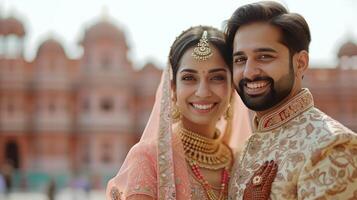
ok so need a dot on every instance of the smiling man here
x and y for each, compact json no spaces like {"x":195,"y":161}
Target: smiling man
{"x":316,"y":155}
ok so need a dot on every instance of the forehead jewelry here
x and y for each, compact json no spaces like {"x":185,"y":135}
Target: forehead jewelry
{"x":202,"y":51}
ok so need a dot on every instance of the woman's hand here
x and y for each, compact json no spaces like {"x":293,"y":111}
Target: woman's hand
{"x":259,"y":186}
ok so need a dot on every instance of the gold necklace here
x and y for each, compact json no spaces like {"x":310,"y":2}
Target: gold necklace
{"x":207,"y":153}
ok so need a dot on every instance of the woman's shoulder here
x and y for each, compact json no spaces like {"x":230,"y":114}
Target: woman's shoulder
{"x":137,"y":174}
{"x":147,"y":150}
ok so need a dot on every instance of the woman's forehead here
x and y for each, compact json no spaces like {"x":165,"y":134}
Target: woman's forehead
{"x":188,"y":61}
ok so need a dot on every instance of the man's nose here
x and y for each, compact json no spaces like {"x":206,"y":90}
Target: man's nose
{"x":251,"y":70}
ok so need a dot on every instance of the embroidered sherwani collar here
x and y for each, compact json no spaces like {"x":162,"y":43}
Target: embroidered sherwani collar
{"x":289,"y":110}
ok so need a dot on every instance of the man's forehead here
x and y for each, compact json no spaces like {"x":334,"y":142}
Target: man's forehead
{"x":257,"y":36}
{"x":258,"y":32}
{"x":258,"y":27}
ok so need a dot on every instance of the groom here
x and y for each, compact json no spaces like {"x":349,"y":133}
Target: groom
{"x":316,"y":155}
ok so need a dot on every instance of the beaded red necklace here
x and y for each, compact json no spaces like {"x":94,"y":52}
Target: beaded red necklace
{"x":207,"y":187}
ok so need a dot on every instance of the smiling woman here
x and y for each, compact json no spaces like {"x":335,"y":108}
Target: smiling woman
{"x":189,"y":155}
{"x":202,"y":88}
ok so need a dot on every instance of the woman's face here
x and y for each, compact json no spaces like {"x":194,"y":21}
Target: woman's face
{"x":203,"y":88}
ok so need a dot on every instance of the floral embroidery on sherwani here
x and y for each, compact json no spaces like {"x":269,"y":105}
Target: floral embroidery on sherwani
{"x":317,"y":156}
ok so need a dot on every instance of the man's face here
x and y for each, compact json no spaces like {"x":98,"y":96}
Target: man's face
{"x":263,"y":71}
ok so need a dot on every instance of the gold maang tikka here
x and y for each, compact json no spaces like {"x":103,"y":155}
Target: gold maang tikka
{"x":202,"y":51}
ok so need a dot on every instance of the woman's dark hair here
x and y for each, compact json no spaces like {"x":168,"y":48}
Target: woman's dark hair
{"x":295,"y":33}
{"x":190,"y":38}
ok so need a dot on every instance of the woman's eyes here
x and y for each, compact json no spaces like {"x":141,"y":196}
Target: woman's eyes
{"x":188,"y":78}
{"x":218,"y":78}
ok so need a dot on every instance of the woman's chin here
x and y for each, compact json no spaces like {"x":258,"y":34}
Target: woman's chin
{"x":201,"y":121}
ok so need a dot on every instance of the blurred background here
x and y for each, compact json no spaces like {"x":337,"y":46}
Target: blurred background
{"x":78,"y":80}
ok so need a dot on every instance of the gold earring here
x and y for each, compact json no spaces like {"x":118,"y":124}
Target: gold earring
{"x":229,"y":113}
{"x":175,"y":114}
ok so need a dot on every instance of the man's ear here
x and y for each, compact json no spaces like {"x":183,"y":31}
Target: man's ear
{"x":302,"y":63}
{"x":173,"y":93}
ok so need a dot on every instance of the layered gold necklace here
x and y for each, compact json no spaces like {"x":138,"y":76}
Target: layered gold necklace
{"x":207,"y":153}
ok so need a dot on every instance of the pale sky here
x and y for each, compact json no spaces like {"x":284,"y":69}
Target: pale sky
{"x":152,"y":25}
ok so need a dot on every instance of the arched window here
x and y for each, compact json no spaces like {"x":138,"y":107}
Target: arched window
{"x":12,"y":154}
{"x":107,"y":104}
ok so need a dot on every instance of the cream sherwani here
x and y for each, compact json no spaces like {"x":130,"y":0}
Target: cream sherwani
{"x":316,"y":155}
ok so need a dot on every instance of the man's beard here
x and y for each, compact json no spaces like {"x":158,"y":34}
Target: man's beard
{"x":279,"y":90}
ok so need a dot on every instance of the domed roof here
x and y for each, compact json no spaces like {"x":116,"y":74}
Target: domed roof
{"x":348,"y":49}
{"x":50,"y":46}
{"x":103,"y":29}
{"x":12,"y":25}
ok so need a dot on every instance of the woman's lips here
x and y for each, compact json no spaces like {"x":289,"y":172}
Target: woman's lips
{"x":203,"y":107}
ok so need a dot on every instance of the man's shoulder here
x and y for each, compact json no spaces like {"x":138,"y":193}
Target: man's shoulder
{"x":327,"y":131}
{"x":322,"y":120}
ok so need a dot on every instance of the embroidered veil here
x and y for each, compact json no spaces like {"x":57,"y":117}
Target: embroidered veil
{"x":156,"y":165}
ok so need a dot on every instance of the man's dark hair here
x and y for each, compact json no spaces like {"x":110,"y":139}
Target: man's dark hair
{"x":295,"y":33}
